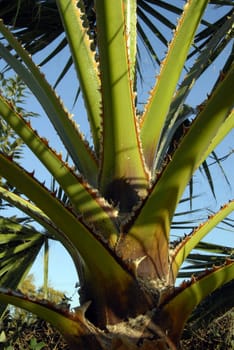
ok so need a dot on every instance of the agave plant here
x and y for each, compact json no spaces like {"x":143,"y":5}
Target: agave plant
{"x":117,"y":195}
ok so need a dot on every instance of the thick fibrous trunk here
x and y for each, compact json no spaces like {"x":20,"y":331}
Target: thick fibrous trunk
{"x":136,"y":333}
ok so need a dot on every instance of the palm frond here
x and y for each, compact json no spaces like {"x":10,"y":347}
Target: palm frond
{"x":37,"y":23}
{"x":20,"y":243}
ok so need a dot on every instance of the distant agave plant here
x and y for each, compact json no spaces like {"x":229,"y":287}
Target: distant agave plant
{"x":120,"y":195}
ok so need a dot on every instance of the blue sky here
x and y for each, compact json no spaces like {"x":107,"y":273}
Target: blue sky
{"x":62,"y":273}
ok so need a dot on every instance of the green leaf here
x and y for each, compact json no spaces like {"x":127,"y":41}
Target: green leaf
{"x":190,"y":242}
{"x":84,"y":200}
{"x":190,"y":154}
{"x":74,"y":327}
{"x":130,"y":8}
{"x":3,"y":338}
{"x":224,"y":129}
{"x":202,"y":62}
{"x":77,"y":232}
{"x":28,"y":208}
{"x":206,"y":169}
{"x":19,"y":247}
{"x":158,"y":105}
{"x":176,"y":311}
{"x":53,"y":232}
{"x":121,"y":155}
{"x":148,"y":232}
{"x":75,"y":25}
{"x":34,"y":345}
{"x":60,"y":118}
